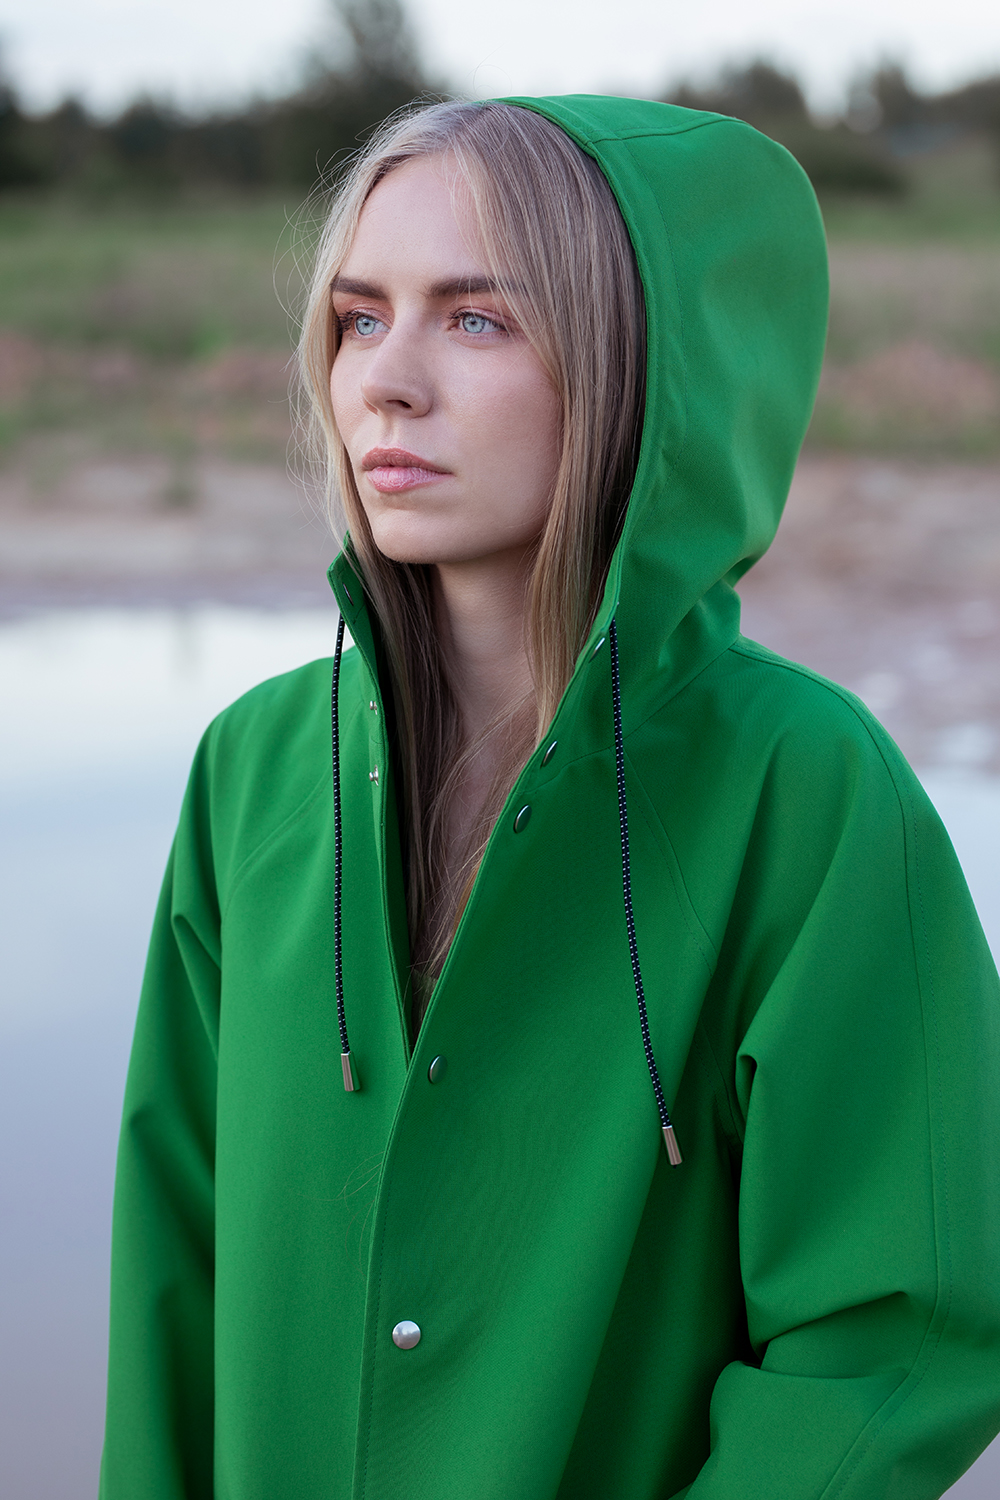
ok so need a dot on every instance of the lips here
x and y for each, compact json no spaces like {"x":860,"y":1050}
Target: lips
{"x":393,"y":469}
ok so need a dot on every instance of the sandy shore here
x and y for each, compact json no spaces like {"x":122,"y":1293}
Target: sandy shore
{"x":885,"y":575}
{"x":116,"y":532}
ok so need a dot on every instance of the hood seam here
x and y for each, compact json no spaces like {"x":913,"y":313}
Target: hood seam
{"x":654,"y":135}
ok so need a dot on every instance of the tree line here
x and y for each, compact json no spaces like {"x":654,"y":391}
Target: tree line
{"x":885,"y":120}
{"x":153,"y":147}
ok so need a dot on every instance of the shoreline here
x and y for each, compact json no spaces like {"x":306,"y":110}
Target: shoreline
{"x":884,"y":576}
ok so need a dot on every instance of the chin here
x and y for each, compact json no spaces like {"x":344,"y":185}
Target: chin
{"x":410,"y":544}
{"x":423,"y":541}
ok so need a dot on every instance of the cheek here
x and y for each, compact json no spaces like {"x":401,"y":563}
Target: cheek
{"x":525,"y":418}
{"x":543,"y":441}
{"x":344,"y":395}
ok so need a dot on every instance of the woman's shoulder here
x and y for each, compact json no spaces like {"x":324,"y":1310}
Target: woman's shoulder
{"x":273,"y":705}
{"x":292,"y":703}
{"x":756,"y":739}
{"x":263,"y":758}
{"x":783,"y":704}
{"x":765,"y":778}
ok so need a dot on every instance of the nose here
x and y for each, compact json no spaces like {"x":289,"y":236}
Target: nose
{"x":396,"y":377}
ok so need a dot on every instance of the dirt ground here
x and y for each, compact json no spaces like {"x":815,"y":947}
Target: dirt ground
{"x":885,"y":575}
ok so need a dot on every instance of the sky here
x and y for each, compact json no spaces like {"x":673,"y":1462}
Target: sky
{"x":207,"y":52}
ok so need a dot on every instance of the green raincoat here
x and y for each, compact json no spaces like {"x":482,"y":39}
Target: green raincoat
{"x":810,"y":1305}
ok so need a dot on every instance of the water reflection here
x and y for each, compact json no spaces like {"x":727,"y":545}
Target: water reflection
{"x":102,"y":713}
{"x":103,"y":710}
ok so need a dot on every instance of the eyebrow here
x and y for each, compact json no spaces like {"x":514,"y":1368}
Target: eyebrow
{"x":458,"y":286}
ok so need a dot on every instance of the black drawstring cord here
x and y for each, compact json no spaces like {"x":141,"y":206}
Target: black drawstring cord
{"x":351,"y":1083}
{"x":673,"y":1150}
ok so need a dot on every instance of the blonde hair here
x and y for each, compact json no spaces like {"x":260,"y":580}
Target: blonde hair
{"x":548,"y":223}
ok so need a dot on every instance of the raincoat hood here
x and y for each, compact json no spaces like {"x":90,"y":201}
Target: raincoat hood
{"x":731,"y":252}
{"x":732,"y":257}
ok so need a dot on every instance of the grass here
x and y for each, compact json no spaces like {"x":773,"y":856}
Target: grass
{"x":913,"y":355}
{"x":146,"y":328}
{"x":165,"y":327}
{"x":174,"y":281}
{"x":954,"y":199}
{"x":944,"y":295}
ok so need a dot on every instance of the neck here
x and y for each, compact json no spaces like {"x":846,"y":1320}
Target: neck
{"x":479,"y":616}
{"x":480,"y":612}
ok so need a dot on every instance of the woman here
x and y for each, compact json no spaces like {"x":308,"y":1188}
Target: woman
{"x":588,"y":857}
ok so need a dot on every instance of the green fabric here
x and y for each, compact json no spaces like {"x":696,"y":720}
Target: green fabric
{"x":810,"y":1305}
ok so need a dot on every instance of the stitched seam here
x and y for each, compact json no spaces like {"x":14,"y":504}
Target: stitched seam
{"x":879,"y":739}
{"x":943,"y":1299}
{"x":667,"y":240}
{"x":246,"y":864}
{"x":375,"y":1320}
{"x":655,"y":135}
{"x":893,"y":1402}
{"x":387,"y":937}
{"x":700,"y":933}
{"x":738,"y":1134}
{"x":385,"y":1180}
{"x":670,"y":695}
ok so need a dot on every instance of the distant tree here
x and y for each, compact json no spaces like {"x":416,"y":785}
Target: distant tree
{"x":976,"y":105}
{"x":914,"y":122}
{"x":836,"y":159}
{"x":67,"y":139}
{"x":371,"y":69}
{"x":756,"y":93}
{"x":224,"y":148}
{"x":368,"y":68}
{"x":900,"y":105}
{"x":384,"y":47}
{"x":144,"y":141}
{"x":19,"y":165}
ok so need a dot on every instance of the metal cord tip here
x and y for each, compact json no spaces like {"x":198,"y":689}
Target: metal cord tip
{"x":673,"y":1150}
{"x":351,"y":1083}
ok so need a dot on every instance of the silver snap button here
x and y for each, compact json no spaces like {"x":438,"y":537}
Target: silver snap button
{"x":549,"y":753}
{"x":521,"y":821}
{"x":406,"y":1335}
{"x":597,"y":646}
{"x":373,"y":775}
{"x":437,"y":1069}
{"x":371,"y":705}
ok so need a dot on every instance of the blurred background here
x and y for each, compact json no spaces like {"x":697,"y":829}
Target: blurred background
{"x":158,"y":554}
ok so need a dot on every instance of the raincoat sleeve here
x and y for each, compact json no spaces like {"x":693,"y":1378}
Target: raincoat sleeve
{"x":866,"y":1086}
{"x":158,"y":1440}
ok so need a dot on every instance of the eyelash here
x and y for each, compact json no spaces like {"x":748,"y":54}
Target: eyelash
{"x":347,"y":320}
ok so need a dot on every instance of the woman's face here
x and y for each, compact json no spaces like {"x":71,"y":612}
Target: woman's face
{"x":450,"y":421}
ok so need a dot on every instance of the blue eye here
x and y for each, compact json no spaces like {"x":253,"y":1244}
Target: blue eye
{"x":365,"y":325}
{"x":475,"y":323}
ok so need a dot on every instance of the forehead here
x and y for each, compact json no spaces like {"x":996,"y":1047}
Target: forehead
{"x":418,"y":220}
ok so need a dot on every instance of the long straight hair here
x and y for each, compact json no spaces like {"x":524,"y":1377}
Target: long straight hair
{"x":549,"y":226}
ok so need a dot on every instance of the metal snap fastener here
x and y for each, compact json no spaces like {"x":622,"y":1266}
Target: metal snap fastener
{"x":597,"y":646}
{"x":521,"y":821}
{"x":549,"y":753}
{"x":437,"y":1069}
{"x":371,"y":705}
{"x":373,"y":775}
{"x":406,"y":1335}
